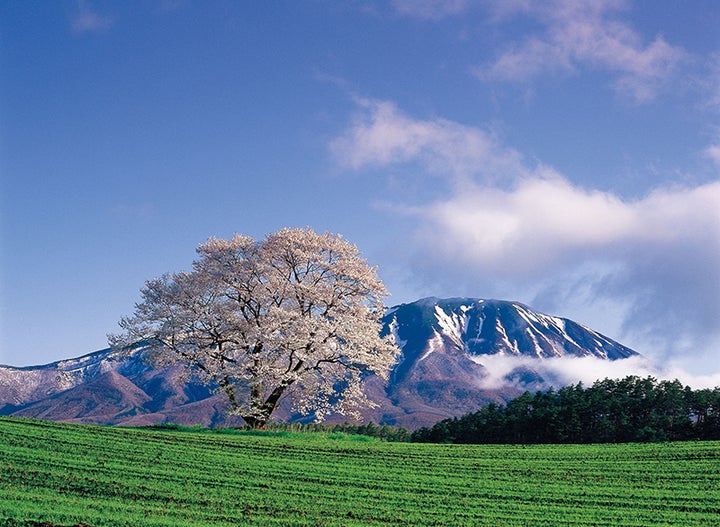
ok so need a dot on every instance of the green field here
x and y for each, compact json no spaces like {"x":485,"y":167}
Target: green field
{"x":66,"y":474}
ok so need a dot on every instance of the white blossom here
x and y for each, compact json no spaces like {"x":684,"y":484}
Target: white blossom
{"x":295,"y":315}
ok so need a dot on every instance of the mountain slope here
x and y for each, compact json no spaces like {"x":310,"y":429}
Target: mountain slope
{"x":446,"y":345}
{"x":107,"y":398}
{"x":108,"y":387}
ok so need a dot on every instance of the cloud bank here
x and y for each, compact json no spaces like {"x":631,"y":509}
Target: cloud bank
{"x":644,"y":270}
{"x":565,"y":371}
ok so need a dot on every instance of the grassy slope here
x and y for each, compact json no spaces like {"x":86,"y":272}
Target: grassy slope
{"x":65,"y":474}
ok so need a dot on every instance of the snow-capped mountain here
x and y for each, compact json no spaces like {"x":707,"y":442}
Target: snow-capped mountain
{"x":446,"y":346}
{"x":486,"y":327}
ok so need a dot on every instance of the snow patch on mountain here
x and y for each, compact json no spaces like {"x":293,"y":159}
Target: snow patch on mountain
{"x":433,"y":345}
{"x":512,"y":347}
{"x":394,"y":331}
{"x":453,"y":324}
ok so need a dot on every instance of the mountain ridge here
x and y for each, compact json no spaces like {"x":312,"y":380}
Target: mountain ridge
{"x":444,"y":343}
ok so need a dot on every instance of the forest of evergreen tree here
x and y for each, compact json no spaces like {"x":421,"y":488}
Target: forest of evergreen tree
{"x":632,"y":409}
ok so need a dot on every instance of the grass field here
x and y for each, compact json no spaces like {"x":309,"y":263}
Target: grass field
{"x":102,"y":476}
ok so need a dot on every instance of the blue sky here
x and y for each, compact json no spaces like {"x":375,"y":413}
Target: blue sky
{"x":561,"y":154}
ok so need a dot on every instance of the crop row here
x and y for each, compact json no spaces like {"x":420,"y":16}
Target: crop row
{"x":108,"y":476}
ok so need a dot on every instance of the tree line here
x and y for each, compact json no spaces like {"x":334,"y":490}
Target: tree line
{"x":632,"y":409}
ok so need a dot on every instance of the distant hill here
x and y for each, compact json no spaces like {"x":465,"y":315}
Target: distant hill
{"x":108,"y":387}
{"x":443,"y":343}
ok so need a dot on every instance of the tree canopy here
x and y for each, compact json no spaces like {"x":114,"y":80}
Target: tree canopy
{"x":295,"y":315}
{"x":632,"y":409}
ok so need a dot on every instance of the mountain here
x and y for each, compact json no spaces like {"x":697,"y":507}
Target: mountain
{"x":486,"y":327}
{"x":107,"y":398}
{"x":443,"y":371}
{"x":109,"y":387}
{"x":446,"y":346}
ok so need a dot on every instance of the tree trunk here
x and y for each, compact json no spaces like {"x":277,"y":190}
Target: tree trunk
{"x":266,"y":408}
{"x":254,"y":422}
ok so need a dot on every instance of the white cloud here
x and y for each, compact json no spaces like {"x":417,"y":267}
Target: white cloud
{"x":540,"y":222}
{"x":381,"y":134}
{"x":644,"y":271}
{"x":87,"y":20}
{"x":564,"y":371}
{"x":580,"y":34}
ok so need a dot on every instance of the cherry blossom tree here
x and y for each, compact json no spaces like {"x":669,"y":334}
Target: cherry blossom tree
{"x":295,"y":315}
